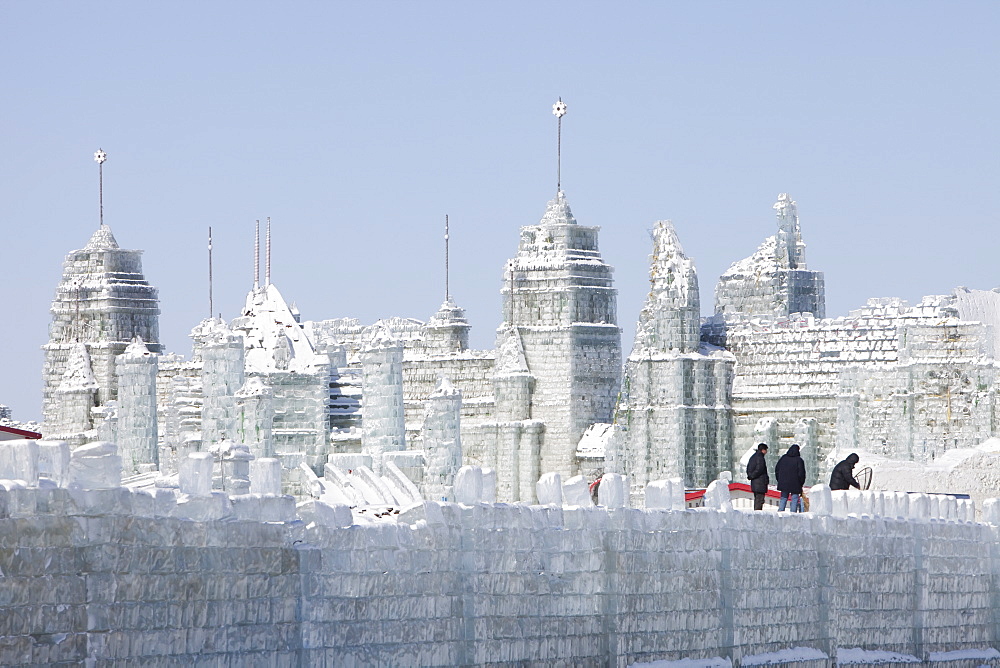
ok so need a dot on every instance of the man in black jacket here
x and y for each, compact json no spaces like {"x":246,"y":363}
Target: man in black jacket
{"x":757,"y":475}
{"x":791,"y":474}
{"x":843,"y":473}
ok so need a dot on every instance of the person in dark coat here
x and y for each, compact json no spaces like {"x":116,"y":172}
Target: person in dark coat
{"x":843,"y":473}
{"x":791,"y":474}
{"x":757,"y":475}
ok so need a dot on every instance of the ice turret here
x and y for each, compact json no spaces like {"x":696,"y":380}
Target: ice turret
{"x":448,"y":330}
{"x":519,"y":438}
{"x":75,"y":396}
{"x":104,"y":302}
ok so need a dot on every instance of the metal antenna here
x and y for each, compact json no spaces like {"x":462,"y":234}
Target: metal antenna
{"x":559,"y":110}
{"x":99,"y":158}
{"x":447,"y":290}
{"x":267,"y":263}
{"x":211,"y":303}
{"x":256,"y":256}
{"x":510,"y":266}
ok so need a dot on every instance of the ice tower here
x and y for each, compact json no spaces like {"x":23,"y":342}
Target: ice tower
{"x":774,"y":281}
{"x":558,"y":295}
{"x":103,"y":302}
{"x":675,"y":416}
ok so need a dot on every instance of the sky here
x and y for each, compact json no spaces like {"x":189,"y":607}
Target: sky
{"x":357,"y":126}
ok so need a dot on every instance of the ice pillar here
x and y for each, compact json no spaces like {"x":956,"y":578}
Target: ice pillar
{"x":255,"y":416}
{"x":383,"y":427}
{"x":442,"y":441}
{"x":137,"y":424}
{"x":222,"y":376}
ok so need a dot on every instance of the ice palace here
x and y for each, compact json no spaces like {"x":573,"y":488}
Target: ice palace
{"x":325,"y":492}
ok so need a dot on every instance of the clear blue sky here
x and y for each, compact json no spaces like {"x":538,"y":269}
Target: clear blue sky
{"x":358,"y":126}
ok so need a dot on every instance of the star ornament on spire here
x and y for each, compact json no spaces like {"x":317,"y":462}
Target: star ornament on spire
{"x":559,"y":109}
{"x":100,"y":157}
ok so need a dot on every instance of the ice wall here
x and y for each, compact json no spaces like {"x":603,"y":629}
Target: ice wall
{"x":108,"y":575}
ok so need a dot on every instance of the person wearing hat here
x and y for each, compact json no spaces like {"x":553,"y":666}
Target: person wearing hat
{"x":757,"y":475}
{"x":843,"y":474}
{"x":791,"y":474}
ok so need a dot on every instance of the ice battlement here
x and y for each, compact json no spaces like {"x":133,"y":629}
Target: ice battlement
{"x":91,"y":569}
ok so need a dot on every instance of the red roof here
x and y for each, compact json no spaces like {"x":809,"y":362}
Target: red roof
{"x":21,"y":433}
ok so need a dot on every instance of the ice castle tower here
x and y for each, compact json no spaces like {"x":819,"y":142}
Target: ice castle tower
{"x":103,"y":302}
{"x":675,"y":416}
{"x":558,"y":293}
{"x":774,"y":281}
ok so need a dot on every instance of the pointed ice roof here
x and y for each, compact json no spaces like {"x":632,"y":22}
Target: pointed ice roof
{"x":557,"y":211}
{"x":510,"y":354}
{"x":79,"y":376}
{"x":103,"y":239}
{"x":273,"y":338}
{"x":137,"y":347}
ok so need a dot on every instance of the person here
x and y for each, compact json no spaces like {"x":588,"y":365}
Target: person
{"x":757,"y":475}
{"x":843,"y":473}
{"x":791,"y":474}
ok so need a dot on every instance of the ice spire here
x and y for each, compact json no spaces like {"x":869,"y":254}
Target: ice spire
{"x":670,"y":319}
{"x":557,"y":211}
{"x":790,"y":249}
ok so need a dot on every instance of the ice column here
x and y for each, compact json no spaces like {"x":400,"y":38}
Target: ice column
{"x":137,"y":426}
{"x":442,"y":441}
{"x":221,"y":377}
{"x":255,"y":415}
{"x":382,"y":423}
